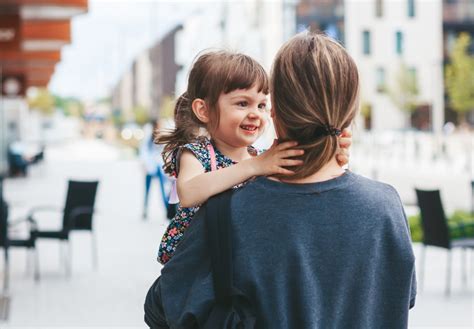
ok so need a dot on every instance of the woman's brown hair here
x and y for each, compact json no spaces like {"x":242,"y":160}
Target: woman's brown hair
{"x":212,"y":74}
{"x":315,"y":88}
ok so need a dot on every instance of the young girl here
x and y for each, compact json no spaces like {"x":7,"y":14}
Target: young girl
{"x":227,"y":96}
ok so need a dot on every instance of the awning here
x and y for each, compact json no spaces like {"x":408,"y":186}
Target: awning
{"x":32,"y":33}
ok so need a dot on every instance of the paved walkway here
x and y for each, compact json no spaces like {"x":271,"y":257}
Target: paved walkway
{"x":112,"y":296}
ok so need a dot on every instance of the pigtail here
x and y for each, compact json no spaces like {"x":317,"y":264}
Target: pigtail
{"x":185,"y":131}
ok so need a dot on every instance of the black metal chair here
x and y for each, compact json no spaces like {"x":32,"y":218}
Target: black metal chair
{"x":77,"y":215}
{"x":6,"y":243}
{"x":436,"y":231}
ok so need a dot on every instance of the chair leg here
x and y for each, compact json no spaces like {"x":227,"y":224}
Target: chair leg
{"x":463,"y":267}
{"x":422,"y":267}
{"x":69,"y":258}
{"x":62,"y":255}
{"x":36,"y":266}
{"x":28,"y":262}
{"x":448,"y":274}
{"x":95,"y":255}
{"x":6,"y":276}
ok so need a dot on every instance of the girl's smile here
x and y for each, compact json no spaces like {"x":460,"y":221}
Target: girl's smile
{"x":242,"y":117}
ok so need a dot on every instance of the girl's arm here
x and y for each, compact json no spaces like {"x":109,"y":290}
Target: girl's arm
{"x":196,"y":186}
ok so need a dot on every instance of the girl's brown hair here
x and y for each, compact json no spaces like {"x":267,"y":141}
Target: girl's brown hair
{"x":212,"y":74}
{"x":315,"y":88}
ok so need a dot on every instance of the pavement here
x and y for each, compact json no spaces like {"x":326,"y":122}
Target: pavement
{"x":112,"y":296}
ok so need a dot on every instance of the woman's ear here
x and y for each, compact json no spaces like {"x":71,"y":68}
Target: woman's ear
{"x":200,"y":110}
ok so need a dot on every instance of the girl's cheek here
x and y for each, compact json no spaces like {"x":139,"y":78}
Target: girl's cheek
{"x":264,"y":124}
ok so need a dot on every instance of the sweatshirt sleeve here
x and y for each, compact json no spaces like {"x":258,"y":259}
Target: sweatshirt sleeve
{"x":413,"y":289}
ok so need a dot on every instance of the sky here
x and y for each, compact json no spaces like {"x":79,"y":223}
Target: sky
{"x":107,"y":38}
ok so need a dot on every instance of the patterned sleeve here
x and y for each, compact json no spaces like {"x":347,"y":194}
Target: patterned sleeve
{"x":199,"y":150}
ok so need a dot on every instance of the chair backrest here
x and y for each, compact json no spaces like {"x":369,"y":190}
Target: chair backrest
{"x":3,"y":217}
{"x":80,"y":194}
{"x":433,"y":219}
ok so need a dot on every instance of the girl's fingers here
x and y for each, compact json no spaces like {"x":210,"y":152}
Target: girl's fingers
{"x":283,"y":171}
{"x":343,"y":151}
{"x":291,"y":153}
{"x":345,"y":142}
{"x":342,"y":159}
{"x":346,"y":132}
{"x":286,"y":145}
{"x":291,"y":163}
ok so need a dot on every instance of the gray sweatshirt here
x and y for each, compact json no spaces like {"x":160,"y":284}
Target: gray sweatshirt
{"x":334,"y":254}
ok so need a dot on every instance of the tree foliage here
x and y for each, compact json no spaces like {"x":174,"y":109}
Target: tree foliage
{"x":70,"y":106}
{"x":142,"y":115}
{"x":43,"y":101}
{"x":404,"y":90}
{"x":167,"y":108}
{"x":460,"y":76}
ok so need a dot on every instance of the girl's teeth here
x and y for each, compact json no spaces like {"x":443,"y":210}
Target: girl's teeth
{"x":249,"y":128}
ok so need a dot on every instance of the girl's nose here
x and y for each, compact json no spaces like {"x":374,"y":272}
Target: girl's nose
{"x":254,"y":113}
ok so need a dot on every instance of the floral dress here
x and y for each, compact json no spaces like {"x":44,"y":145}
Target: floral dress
{"x":175,"y":231}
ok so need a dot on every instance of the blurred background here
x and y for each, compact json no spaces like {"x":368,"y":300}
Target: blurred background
{"x":84,"y":81}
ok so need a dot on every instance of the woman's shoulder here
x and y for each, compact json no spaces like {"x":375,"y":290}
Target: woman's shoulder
{"x":375,"y":188}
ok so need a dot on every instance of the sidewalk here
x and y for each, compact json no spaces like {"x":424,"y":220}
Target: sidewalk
{"x":112,"y":296}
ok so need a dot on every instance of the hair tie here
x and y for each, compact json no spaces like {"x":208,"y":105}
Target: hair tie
{"x":326,"y":130}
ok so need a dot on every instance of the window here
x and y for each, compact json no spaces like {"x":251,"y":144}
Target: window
{"x":411,"y":8}
{"x":378,"y":8}
{"x":399,"y":42}
{"x":366,"y":42}
{"x":380,"y":80}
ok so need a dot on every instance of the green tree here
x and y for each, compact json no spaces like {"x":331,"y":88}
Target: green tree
{"x":404,"y":91}
{"x":142,"y":115}
{"x":459,"y":75}
{"x":118,"y":118}
{"x":70,"y":106}
{"x":167,"y":107}
{"x":366,"y":113}
{"x":42,"y":101}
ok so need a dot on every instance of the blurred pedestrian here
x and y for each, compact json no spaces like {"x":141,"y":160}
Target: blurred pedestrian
{"x":150,"y":156}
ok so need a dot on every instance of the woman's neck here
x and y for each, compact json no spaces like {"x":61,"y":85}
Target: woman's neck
{"x":329,"y":171}
{"x":236,"y":154}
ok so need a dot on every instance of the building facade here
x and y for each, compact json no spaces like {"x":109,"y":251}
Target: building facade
{"x":397,"y":45}
{"x":164,"y":71}
{"x":257,"y":28}
{"x":149,"y":81}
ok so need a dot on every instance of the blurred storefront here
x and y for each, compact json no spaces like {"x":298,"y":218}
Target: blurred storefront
{"x":32,"y":33}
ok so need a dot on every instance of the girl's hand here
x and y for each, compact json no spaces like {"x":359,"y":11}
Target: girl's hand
{"x":274,"y":160}
{"x":345,"y":141}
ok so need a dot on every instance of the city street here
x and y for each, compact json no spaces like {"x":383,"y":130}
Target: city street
{"x":112,"y":296}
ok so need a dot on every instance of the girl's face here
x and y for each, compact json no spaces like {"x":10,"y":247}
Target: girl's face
{"x":242,"y":117}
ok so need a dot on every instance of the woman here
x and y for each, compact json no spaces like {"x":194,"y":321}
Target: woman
{"x":325,"y":248}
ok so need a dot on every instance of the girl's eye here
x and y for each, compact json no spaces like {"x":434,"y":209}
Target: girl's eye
{"x":243,"y":103}
{"x":262,"y":106}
